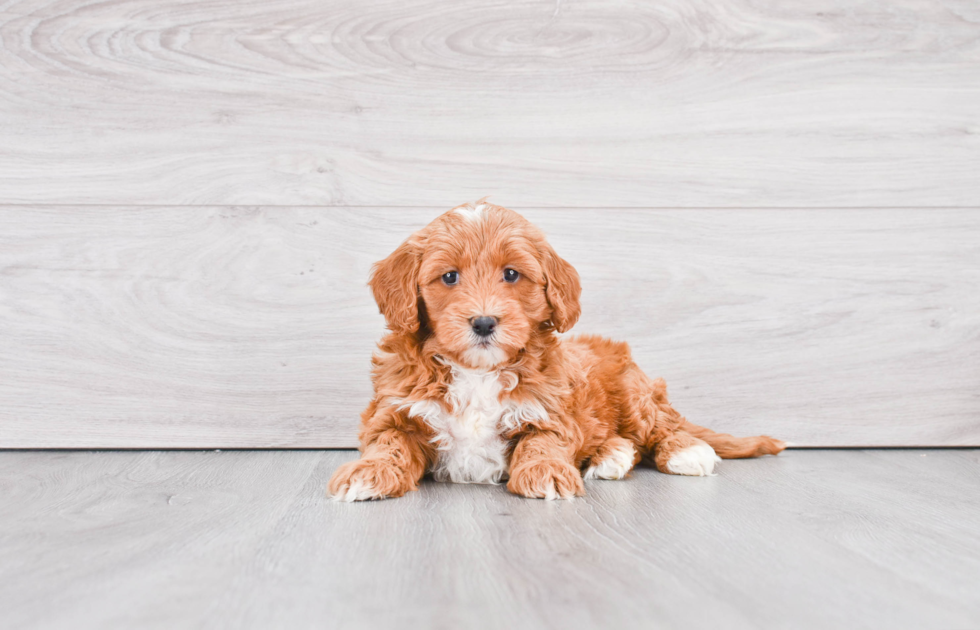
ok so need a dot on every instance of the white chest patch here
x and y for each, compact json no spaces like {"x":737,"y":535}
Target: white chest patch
{"x":470,"y":436}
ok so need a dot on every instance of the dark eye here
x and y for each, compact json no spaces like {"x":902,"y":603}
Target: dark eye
{"x":511,"y":275}
{"x":450,"y":278}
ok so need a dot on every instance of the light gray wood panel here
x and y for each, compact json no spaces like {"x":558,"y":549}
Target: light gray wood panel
{"x":586,"y":103}
{"x":253,"y":327}
{"x":811,"y":539}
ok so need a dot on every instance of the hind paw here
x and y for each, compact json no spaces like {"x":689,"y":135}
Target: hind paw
{"x":698,"y":460}
{"x":615,"y":463}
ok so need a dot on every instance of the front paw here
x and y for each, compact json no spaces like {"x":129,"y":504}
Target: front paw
{"x":546,"y":479}
{"x":366,"y":479}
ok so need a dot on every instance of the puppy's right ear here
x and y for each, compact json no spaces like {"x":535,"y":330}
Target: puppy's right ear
{"x":395,"y":284}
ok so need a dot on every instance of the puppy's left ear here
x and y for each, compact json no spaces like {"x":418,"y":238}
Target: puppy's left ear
{"x":562,"y":288}
{"x":394,"y":282}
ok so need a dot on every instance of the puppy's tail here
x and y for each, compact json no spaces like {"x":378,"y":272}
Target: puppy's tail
{"x":729,"y":447}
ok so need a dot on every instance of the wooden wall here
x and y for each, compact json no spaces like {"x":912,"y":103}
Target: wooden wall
{"x":776,"y":203}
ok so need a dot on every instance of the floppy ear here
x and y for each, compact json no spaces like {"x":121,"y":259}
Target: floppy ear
{"x":562,"y":288}
{"x":394,"y":282}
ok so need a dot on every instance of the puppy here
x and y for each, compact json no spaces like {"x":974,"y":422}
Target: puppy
{"x":474,"y":384}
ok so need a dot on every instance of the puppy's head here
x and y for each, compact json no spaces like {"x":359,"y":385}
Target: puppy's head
{"x":481,"y":280}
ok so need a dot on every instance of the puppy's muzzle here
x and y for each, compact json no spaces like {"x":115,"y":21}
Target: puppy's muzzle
{"x":483,"y":326}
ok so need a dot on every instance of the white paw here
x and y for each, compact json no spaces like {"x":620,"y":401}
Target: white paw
{"x":357,"y":490}
{"x":698,"y":460}
{"x":615,"y":465}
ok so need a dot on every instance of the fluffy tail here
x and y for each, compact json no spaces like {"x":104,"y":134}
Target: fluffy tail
{"x":728,"y":447}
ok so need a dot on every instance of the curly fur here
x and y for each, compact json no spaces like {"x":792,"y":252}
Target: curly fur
{"x":525,"y":403}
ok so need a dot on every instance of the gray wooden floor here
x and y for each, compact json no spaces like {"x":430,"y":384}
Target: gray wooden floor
{"x":844,"y":539}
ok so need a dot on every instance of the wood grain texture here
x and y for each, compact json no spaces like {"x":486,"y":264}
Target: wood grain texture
{"x":811,"y":539}
{"x":678,"y":103}
{"x":253,"y":327}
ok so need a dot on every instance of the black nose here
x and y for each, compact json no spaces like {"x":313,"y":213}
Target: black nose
{"x":483,"y":326}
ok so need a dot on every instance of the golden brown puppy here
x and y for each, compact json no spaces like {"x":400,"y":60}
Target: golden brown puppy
{"x":474,"y":384}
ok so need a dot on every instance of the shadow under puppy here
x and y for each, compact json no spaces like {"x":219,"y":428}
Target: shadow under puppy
{"x":474,"y":384}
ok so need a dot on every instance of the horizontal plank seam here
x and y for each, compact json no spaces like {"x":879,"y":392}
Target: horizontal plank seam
{"x":430,"y":207}
{"x":75,"y":449}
